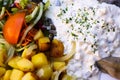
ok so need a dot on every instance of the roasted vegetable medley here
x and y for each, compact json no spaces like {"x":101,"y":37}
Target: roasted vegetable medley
{"x":28,"y":50}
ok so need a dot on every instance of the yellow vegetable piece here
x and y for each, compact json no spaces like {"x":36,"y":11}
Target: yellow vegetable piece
{"x":16,"y":74}
{"x":44,"y":43}
{"x":3,"y":55}
{"x":57,"y":48}
{"x":58,"y":65}
{"x":27,"y":55}
{"x":28,"y":76}
{"x":25,"y":65}
{"x":39,"y":60}
{"x":7,"y":75}
{"x":38,"y":35}
{"x":45,"y":72}
{"x":67,"y":77}
{"x":13,"y":62}
{"x":2,"y":71}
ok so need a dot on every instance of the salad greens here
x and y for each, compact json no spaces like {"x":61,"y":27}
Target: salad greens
{"x":23,"y":3}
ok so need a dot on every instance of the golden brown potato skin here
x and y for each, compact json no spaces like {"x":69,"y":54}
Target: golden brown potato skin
{"x":57,"y":48}
{"x":44,"y":43}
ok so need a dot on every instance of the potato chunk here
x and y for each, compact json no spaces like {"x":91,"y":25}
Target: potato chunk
{"x":2,"y":71}
{"x":28,"y":76}
{"x":38,"y":35}
{"x":58,"y":65}
{"x":7,"y":75}
{"x":25,"y":65}
{"x":39,"y":60}
{"x":13,"y":62}
{"x":57,"y":48}
{"x":45,"y":72}
{"x":44,"y":43}
{"x":16,"y":74}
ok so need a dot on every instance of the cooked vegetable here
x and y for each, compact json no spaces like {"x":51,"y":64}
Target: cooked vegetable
{"x":68,"y":56}
{"x":57,"y":48}
{"x":28,"y":76}
{"x":44,"y":43}
{"x":23,"y":3}
{"x":25,"y":65}
{"x":2,"y":71}
{"x":38,"y":35}
{"x":67,"y":77}
{"x":58,"y":65}
{"x":33,"y":23}
{"x":7,"y":75}
{"x":16,"y":74}
{"x":110,"y":65}
{"x":28,"y":52}
{"x":13,"y":62}
{"x":57,"y":73}
{"x":39,"y":60}
{"x":31,"y":16}
{"x":45,"y":72}
{"x":3,"y":54}
{"x":13,"y":26}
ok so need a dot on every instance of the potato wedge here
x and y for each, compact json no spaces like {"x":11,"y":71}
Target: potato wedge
{"x":25,"y":65}
{"x":45,"y":72}
{"x":44,"y":43}
{"x":27,"y":55}
{"x":57,"y":48}
{"x":13,"y":62}
{"x":38,"y":35}
{"x":39,"y":60}
{"x":2,"y":71}
{"x":16,"y":74}
{"x":58,"y":65}
{"x":7,"y":75}
{"x":28,"y":76}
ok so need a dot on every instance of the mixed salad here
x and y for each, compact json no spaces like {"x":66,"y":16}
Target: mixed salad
{"x":28,"y":50}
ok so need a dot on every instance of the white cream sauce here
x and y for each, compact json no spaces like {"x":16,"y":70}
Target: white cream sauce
{"x":93,"y":26}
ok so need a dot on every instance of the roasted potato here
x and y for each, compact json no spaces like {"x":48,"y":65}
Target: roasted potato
{"x":45,"y":72}
{"x":44,"y":43}
{"x":27,"y":55}
{"x":7,"y":75}
{"x":57,"y":48}
{"x":3,"y":54}
{"x":25,"y":65}
{"x":38,"y":35}
{"x":13,"y":62}
{"x":28,"y":76}
{"x":58,"y":65}
{"x":2,"y":71}
{"x":16,"y":74}
{"x":67,"y":77}
{"x":39,"y":60}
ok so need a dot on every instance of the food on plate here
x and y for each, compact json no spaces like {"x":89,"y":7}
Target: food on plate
{"x":58,"y":39}
{"x":26,"y":39}
{"x":13,"y":26}
{"x":110,"y":65}
{"x":57,"y":48}
{"x":16,"y":74}
{"x":95,"y":29}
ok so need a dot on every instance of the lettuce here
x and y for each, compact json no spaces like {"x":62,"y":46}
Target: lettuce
{"x":23,"y":3}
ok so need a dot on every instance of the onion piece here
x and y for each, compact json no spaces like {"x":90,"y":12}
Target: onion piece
{"x":32,"y":24}
{"x":69,"y":55}
{"x":56,"y":74}
{"x":11,"y":52}
{"x":30,"y":49}
{"x":3,"y":41}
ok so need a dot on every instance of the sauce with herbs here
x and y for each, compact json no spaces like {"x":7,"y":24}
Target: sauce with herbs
{"x":94,"y":26}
